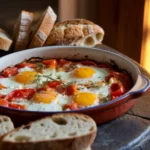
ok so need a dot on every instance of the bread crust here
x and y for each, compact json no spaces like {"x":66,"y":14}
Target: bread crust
{"x":6,"y":125}
{"x":43,"y":28}
{"x":22,"y":30}
{"x":65,"y":32}
{"x":80,"y":143}
{"x":5,"y":42}
{"x":72,"y":143}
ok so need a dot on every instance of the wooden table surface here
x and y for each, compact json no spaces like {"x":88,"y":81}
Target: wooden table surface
{"x":130,"y":131}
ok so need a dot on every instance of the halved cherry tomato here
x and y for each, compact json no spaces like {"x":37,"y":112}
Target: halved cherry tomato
{"x":88,"y":63}
{"x":3,"y":102}
{"x":124,"y":79}
{"x":20,"y":93}
{"x":41,"y":89}
{"x":60,"y":89}
{"x":50,"y":63}
{"x":17,"y":106}
{"x":71,"y":106}
{"x":53,"y":84}
{"x":1,"y":76}
{"x":10,"y":71}
{"x":2,"y":96}
{"x":22,"y":65}
{"x":71,"y":89}
{"x":63,"y":62}
{"x":116,"y":90}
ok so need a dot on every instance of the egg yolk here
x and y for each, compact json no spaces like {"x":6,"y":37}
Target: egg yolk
{"x":85,"y":98}
{"x":26,"y":77}
{"x":84,"y":72}
{"x":45,"y":96}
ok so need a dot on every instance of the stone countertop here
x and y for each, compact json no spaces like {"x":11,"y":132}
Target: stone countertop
{"x":130,"y":131}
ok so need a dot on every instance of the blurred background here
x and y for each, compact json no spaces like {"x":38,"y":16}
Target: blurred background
{"x":126,"y":22}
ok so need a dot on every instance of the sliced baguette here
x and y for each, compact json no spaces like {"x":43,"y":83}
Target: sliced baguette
{"x":59,"y":132}
{"x":43,"y":28}
{"x":89,"y":40}
{"x":65,"y":32}
{"x":22,"y":30}
{"x":6,"y":125}
{"x":5,"y":40}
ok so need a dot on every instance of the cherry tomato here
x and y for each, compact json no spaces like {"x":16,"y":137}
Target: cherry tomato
{"x":124,"y":79}
{"x":3,"y":102}
{"x":53,"y":84}
{"x":2,"y":96}
{"x":50,"y":63}
{"x":88,"y":63}
{"x":63,"y":62}
{"x":60,"y":89}
{"x":10,"y":71}
{"x":20,"y":93}
{"x":17,"y":106}
{"x":22,"y":65}
{"x":71,"y":89}
{"x":1,"y":76}
{"x":116,"y":90}
{"x":71,"y":106}
{"x":41,"y":89}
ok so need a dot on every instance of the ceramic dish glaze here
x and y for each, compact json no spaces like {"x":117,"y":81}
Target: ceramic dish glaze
{"x":101,"y":113}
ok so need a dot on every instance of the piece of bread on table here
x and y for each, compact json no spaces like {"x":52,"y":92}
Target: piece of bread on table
{"x":65,"y":32}
{"x":5,"y":40}
{"x":89,"y":40}
{"x":43,"y":28}
{"x":59,"y":132}
{"x":6,"y":125}
{"x":22,"y":30}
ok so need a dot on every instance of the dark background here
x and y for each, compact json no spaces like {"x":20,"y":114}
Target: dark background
{"x":122,"y":20}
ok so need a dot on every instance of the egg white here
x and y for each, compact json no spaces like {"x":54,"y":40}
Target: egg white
{"x":49,"y":71}
{"x":67,"y":77}
{"x":25,"y":69}
{"x":64,"y":99}
{"x":33,"y":106}
{"x":11,"y":84}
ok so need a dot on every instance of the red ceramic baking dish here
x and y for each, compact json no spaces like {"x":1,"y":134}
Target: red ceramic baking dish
{"x":101,"y":113}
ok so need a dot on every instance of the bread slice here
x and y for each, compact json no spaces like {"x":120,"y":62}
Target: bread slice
{"x":43,"y":28}
{"x":65,"y":32}
{"x":22,"y":30}
{"x":89,"y":40}
{"x":5,"y":40}
{"x":6,"y":125}
{"x":59,"y":132}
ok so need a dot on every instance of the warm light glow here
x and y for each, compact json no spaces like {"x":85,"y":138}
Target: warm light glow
{"x":145,"y":53}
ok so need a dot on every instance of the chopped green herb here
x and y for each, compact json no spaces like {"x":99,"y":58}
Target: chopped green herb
{"x":40,"y":66}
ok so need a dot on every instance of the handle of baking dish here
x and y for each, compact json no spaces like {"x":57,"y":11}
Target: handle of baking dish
{"x":141,"y":86}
